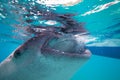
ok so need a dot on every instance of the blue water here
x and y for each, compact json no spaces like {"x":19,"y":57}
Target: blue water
{"x":102,"y":21}
{"x":99,"y":68}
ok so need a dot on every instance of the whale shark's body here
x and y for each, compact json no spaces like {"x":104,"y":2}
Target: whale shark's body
{"x":45,"y":57}
{"x":53,"y":54}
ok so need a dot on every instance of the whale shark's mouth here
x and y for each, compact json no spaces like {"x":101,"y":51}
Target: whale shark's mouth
{"x":66,"y":47}
{"x":85,"y":54}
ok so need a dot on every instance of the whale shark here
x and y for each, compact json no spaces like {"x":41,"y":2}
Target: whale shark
{"x":47,"y":56}
{"x":53,"y":53}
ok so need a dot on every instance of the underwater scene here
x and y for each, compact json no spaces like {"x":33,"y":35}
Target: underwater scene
{"x":70,"y":39}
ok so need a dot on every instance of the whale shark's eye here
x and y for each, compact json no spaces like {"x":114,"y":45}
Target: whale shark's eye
{"x":17,"y":53}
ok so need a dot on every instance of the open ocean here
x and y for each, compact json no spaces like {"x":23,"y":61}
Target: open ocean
{"x":102,"y":21}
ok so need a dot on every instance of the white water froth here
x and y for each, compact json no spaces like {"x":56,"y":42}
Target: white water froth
{"x":96,"y":41}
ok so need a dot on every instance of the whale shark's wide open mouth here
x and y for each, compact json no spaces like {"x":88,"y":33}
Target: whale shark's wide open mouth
{"x":67,"y":47}
{"x":85,"y":54}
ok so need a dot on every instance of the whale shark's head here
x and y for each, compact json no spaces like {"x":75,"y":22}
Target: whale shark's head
{"x":50,"y":55}
{"x":46,"y":58}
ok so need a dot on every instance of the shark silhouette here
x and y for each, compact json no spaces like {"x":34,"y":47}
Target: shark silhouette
{"x":44,"y":58}
{"x":52,"y":54}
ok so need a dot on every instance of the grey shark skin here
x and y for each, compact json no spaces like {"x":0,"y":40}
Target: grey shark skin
{"x":40,"y":59}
